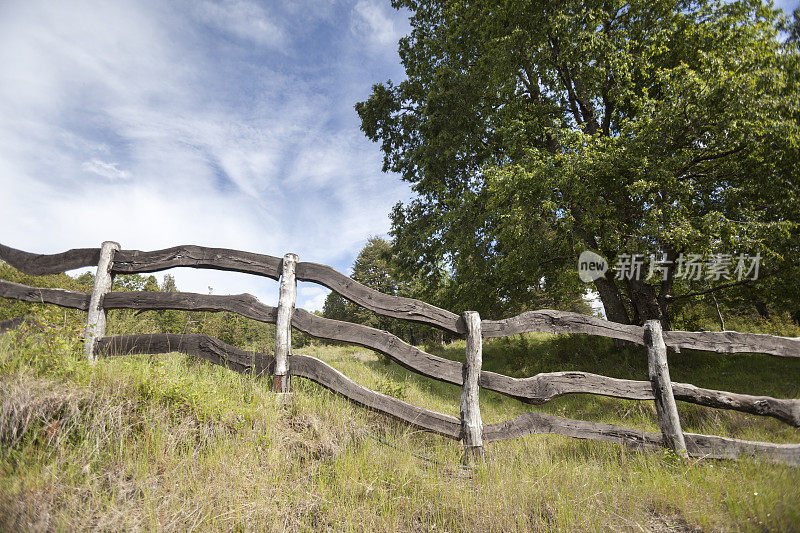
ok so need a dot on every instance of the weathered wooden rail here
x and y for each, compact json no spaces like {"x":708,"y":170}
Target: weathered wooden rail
{"x":468,"y":427}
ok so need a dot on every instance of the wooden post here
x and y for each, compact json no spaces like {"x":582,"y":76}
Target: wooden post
{"x":471,"y":424}
{"x":283,"y":325}
{"x":666,"y":409}
{"x":96,"y":315}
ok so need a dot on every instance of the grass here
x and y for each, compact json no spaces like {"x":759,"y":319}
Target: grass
{"x":171,"y":443}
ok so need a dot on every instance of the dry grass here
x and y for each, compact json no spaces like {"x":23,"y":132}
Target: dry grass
{"x":169,"y":443}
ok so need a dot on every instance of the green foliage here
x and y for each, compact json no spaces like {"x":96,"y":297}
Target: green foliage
{"x":48,"y":314}
{"x":532,"y":131}
{"x":229,"y":327}
{"x":391,"y":387}
{"x":375,"y":267}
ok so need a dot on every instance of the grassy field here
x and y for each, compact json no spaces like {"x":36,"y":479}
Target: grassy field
{"x":171,"y":443}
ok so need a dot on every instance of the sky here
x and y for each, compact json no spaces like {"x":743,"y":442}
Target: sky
{"x":787,"y":5}
{"x":219,"y":123}
{"x":226,"y":123}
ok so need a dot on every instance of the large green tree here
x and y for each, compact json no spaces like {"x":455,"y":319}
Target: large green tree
{"x":534,"y":130}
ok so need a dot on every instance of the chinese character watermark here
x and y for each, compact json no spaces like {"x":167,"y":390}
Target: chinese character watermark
{"x":689,"y":266}
{"x":629,"y":266}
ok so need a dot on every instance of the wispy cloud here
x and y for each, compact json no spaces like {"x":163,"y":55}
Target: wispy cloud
{"x":243,"y":19}
{"x":210,"y":123}
{"x":106,"y":170}
{"x":376,"y":22}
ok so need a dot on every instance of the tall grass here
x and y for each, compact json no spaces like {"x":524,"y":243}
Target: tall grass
{"x":172,"y":443}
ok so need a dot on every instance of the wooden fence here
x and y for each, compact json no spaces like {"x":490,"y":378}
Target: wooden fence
{"x":111,"y":260}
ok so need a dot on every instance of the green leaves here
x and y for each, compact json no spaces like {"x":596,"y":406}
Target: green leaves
{"x":533,"y":130}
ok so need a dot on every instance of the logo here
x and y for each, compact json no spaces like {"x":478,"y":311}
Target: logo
{"x":591,"y":266}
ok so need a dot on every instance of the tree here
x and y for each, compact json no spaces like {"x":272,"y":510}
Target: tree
{"x":534,"y":130}
{"x":168,"y":284}
{"x":375,"y":268}
{"x":150,"y":284}
{"x":86,"y":281}
{"x":170,"y":321}
{"x":793,"y":27}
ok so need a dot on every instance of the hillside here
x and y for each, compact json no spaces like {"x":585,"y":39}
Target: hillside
{"x":171,"y":443}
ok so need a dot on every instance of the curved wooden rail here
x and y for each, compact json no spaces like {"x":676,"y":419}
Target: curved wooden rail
{"x":705,"y":446}
{"x":733,"y":342}
{"x":41,"y":295}
{"x":202,"y":346}
{"x":536,"y":389}
{"x":330,"y":378}
{"x":135,"y":261}
{"x":544,"y":387}
{"x":245,"y":305}
{"x":383,"y":304}
{"x":218,"y":352}
{"x":243,"y":361}
{"x":785,"y":410}
{"x":381,"y":341}
{"x":550,"y":321}
{"x":42,"y":264}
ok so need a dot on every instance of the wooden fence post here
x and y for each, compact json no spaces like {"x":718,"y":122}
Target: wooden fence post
{"x":666,"y":409}
{"x":471,"y":424}
{"x":283,"y":325}
{"x":96,"y":315}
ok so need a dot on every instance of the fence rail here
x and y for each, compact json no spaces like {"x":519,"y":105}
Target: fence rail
{"x":468,"y":428}
{"x":543,"y":321}
{"x":218,"y":352}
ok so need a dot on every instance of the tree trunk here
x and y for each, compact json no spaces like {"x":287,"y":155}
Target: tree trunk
{"x":646,"y":303}
{"x":612,"y":300}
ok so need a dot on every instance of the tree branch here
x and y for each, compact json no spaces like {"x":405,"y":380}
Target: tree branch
{"x":565,"y":79}
{"x":709,"y":157}
{"x":586,"y":109}
{"x":717,"y":288}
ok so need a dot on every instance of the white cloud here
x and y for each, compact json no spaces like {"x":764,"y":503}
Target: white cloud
{"x":371,"y":20}
{"x":311,"y":297}
{"x":246,"y":20}
{"x":106,"y":170}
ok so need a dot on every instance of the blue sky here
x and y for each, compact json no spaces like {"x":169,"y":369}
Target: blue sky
{"x":220,"y":123}
{"x":223,"y":123}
